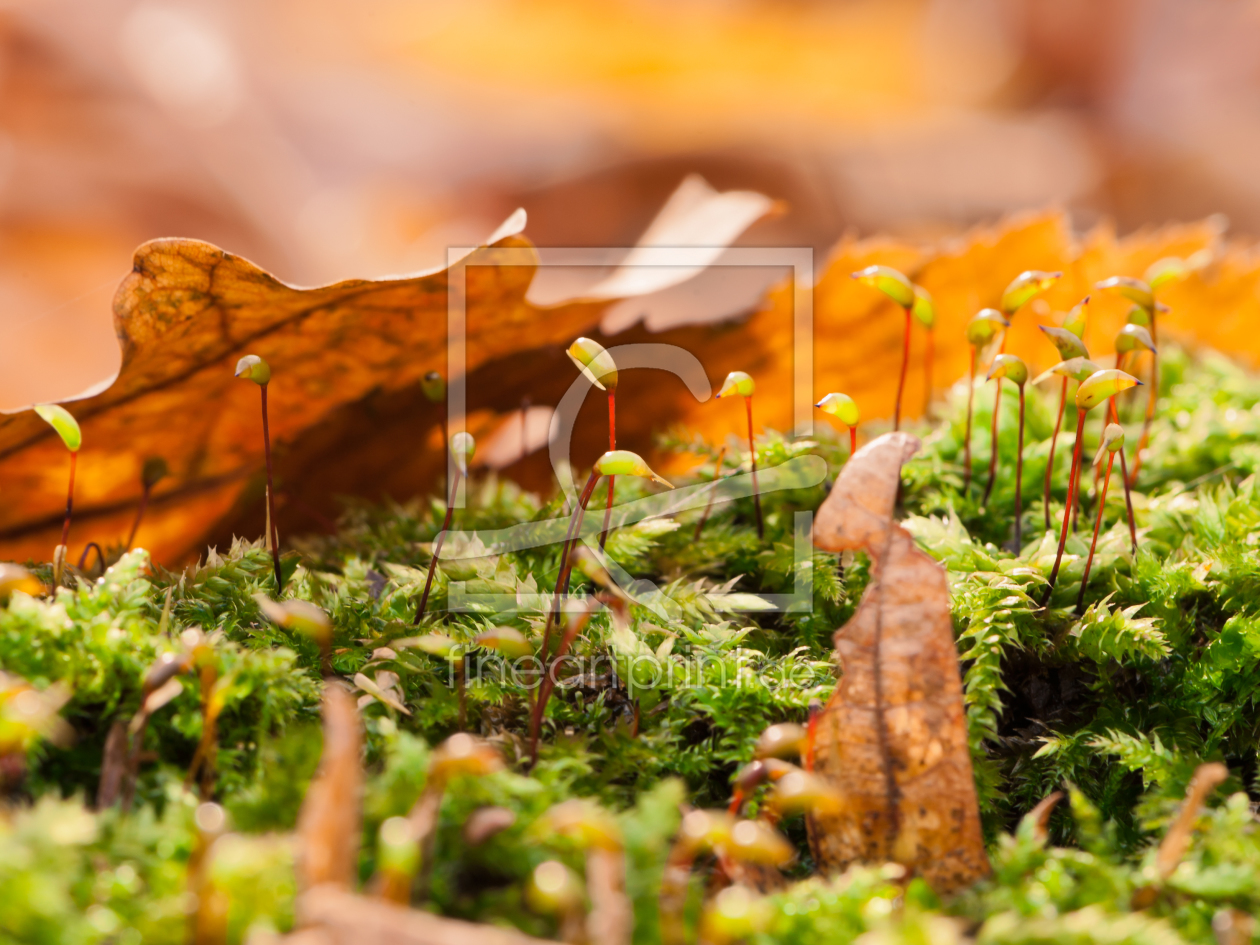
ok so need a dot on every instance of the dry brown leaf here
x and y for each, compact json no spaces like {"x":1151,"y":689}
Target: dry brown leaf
{"x":893,"y":737}
{"x":328,"y":824}
{"x":348,"y":919}
{"x":189,"y":310}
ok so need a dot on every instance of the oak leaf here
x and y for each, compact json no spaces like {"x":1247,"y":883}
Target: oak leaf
{"x":188,"y":311}
{"x":893,"y":737}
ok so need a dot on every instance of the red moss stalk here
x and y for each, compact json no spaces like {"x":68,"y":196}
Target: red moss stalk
{"x":437,"y":547}
{"x":1067,"y":508}
{"x":752,"y":456}
{"x":1054,"y":439}
{"x":612,"y":445}
{"x":1089,"y":561}
{"x":905,"y":363}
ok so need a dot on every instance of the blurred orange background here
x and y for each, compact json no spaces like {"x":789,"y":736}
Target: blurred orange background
{"x":331,"y":139}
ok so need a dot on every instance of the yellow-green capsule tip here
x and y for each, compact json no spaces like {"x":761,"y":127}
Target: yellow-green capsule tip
{"x":60,"y":419}
{"x":1075,"y":321}
{"x":1067,"y":341}
{"x":1112,"y":441}
{"x":433,"y":385}
{"x":1024,"y":287}
{"x":1166,"y":270}
{"x":1135,"y":290}
{"x":594,"y":361}
{"x":737,"y":382}
{"x":889,"y":281}
{"x":842,"y":407}
{"x":924,"y":308}
{"x":463,"y":446}
{"x":626,"y":463}
{"x":1102,"y":385}
{"x":1132,"y":337}
{"x":984,"y":326}
{"x":253,"y":368}
{"x":1010,"y":367}
{"x":1076,"y":369}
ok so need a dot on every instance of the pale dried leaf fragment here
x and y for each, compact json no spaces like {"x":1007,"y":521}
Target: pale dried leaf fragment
{"x":1175,"y":843}
{"x":328,"y":824}
{"x":348,"y":919}
{"x":893,"y":737}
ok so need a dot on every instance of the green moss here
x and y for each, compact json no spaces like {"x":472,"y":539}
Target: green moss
{"x":1161,"y":673}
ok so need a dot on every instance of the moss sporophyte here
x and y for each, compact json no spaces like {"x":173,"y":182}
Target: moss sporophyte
{"x":612,"y":463}
{"x":599,"y":368}
{"x":924,"y":312}
{"x":982,"y":329}
{"x":1112,"y":441}
{"x":1069,"y":344}
{"x":1098,"y":387}
{"x":66,"y":427}
{"x":902,"y":291}
{"x":253,"y":368}
{"x":845,"y":410}
{"x":737,"y":382}
{"x":666,"y":758}
{"x":1010,"y":367}
{"x":463,"y":446}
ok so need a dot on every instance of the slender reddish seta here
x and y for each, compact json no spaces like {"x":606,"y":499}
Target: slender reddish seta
{"x":708,"y":507}
{"x":253,"y":368}
{"x":66,"y":427}
{"x":981,"y":330}
{"x":612,"y":480}
{"x":1098,"y":387}
{"x":462,"y":448}
{"x":1054,"y":438}
{"x":1112,"y":441}
{"x":1069,"y":344}
{"x":153,"y":472}
{"x":924,"y":310}
{"x":1009,"y":366}
{"x":597,"y":365}
{"x":1142,"y":295}
{"x":845,"y":410}
{"x":901,"y":290}
{"x":612,"y":463}
{"x":737,"y":382}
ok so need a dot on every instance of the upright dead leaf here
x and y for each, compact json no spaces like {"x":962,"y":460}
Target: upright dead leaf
{"x":328,"y":824}
{"x":893,"y":738}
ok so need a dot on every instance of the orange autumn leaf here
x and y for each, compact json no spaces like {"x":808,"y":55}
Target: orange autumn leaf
{"x":892,"y":739}
{"x":188,"y":311}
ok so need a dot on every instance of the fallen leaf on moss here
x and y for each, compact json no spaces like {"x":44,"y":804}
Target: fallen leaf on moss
{"x":893,"y":737}
{"x":189,"y":310}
